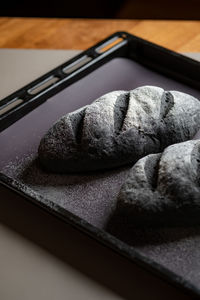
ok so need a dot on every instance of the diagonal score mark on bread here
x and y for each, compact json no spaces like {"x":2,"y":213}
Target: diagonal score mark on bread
{"x":167,"y":103}
{"x":120,"y":111}
{"x":77,"y":122}
{"x":118,"y":129}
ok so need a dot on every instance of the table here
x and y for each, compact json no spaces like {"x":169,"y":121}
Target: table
{"x":31,"y":271}
{"x":182,"y":36}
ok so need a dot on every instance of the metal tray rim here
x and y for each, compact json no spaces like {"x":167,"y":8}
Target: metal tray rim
{"x":100,"y":235}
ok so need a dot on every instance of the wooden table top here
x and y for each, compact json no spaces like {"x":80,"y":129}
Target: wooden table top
{"x":40,"y":33}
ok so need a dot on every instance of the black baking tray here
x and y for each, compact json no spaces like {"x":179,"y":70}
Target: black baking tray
{"x":120,"y":62}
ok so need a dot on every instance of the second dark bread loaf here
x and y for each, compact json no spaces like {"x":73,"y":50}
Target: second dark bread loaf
{"x":119,"y":128}
{"x":162,"y":189}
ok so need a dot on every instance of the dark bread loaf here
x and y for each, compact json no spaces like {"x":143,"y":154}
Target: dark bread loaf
{"x":119,"y":128}
{"x":162,"y":189}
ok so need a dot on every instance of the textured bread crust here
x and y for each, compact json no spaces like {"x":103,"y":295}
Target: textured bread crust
{"x":119,"y":128}
{"x":163,"y":189}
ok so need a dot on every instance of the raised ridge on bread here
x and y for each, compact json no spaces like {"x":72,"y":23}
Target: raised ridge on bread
{"x":162,"y":189}
{"x":119,"y":128}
